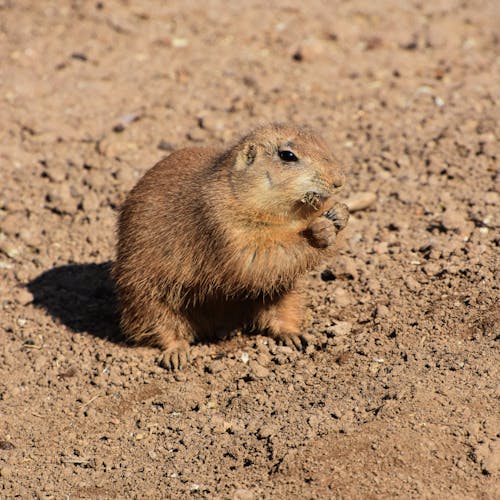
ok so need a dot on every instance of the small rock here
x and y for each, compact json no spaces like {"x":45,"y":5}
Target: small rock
{"x":340,"y":329}
{"x":310,"y":49}
{"x":115,"y":148}
{"x":242,"y":494}
{"x":56,"y":171}
{"x":492,"y":198}
{"x":6,"y":445}
{"x":98,"y":180}
{"x":12,"y":223}
{"x":6,"y":472}
{"x":180,"y":376}
{"x":216,"y":366}
{"x":382,"y":311}
{"x":8,"y":249}
{"x":126,"y":120}
{"x":62,"y":200}
{"x":197,"y":134}
{"x":373,"y":286}
{"x":432,"y":268}
{"x":488,"y":455}
{"x":179,"y":43}
{"x":126,"y":176}
{"x":381,"y":248}
{"x":258,"y":370}
{"x":165,"y":146}
{"x":31,"y":237}
{"x":39,"y":363}
{"x":346,"y":268}
{"x":453,"y":219}
{"x":360,"y":201}
{"x":266,"y":431}
{"x":412,"y":284}
{"x":219,"y":425}
{"x":341,"y":297}
{"x":90,"y":202}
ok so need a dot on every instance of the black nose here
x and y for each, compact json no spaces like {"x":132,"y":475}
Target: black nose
{"x":338,"y":180}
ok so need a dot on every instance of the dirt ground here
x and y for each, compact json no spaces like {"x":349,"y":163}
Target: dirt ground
{"x":398,"y":397}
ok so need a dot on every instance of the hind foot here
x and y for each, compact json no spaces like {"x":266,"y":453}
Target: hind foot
{"x":297,"y":342}
{"x":176,"y":357}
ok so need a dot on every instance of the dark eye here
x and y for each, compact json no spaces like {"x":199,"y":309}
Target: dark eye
{"x":287,"y":156}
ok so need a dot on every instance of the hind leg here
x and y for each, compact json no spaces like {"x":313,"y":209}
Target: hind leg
{"x":159,"y":325}
{"x":283,"y":319}
{"x":174,"y":341}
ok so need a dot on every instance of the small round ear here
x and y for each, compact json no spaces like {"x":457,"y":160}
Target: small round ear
{"x":250,"y":154}
{"x":246,"y":156}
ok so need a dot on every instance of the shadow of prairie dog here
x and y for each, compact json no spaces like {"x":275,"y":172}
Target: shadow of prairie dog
{"x":210,"y":241}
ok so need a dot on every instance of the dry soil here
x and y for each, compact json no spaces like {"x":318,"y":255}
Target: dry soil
{"x":398,"y":397}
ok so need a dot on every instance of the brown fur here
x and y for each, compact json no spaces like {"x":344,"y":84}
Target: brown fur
{"x":209,"y":241}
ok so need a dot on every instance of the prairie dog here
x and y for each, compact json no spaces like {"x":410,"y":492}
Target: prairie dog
{"x":210,"y":240}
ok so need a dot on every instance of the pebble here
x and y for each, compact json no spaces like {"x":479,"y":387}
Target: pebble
{"x":90,"y":202}
{"x":116,"y":149}
{"x":453,"y":219}
{"x":266,"y":431}
{"x":165,"y":146}
{"x":31,"y":236}
{"x":39,"y":363}
{"x":310,"y":49}
{"x":346,"y":268}
{"x":432,"y":268}
{"x":126,"y":176}
{"x":341,"y":297}
{"x":340,"y":329}
{"x":216,"y":366}
{"x":180,"y":376}
{"x":6,"y":472}
{"x":382,"y":311}
{"x":10,"y":250}
{"x":488,"y":454}
{"x":373,"y":286}
{"x":57,"y":171}
{"x":492,"y":198}
{"x":258,"y":370}
{"x":243,"y":494}
{"x":197,"y":134}
{"x":61,"y":198}
{"x":360,"y":201}
{"x":412,"y":284}
{"x":98,"y":179}
{"x":12,"y":223}
{"x":219,"y":424}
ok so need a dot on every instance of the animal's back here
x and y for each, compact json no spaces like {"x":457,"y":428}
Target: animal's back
{"x":160,"y":222}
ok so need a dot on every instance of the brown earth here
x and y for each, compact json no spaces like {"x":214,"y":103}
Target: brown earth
{"x":399,"y":395}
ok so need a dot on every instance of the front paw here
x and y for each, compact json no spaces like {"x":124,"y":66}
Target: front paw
{"x":339,"y":215}
{"x":321,"y":232}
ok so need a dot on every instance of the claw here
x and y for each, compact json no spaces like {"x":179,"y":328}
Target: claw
{"x":175,"y":359}
{"x":339,"y":215}
{"x":298,"y":342}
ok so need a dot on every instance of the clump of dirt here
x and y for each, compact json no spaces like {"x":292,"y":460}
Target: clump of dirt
{"x":399,"y":393}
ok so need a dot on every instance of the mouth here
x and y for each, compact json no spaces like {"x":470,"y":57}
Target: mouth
{"x":315,"y":199}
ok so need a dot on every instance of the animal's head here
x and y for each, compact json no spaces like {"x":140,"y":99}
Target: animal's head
{"x":284,"y":171}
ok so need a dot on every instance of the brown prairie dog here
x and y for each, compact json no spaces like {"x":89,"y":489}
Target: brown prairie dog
{"x":210,"y":241}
